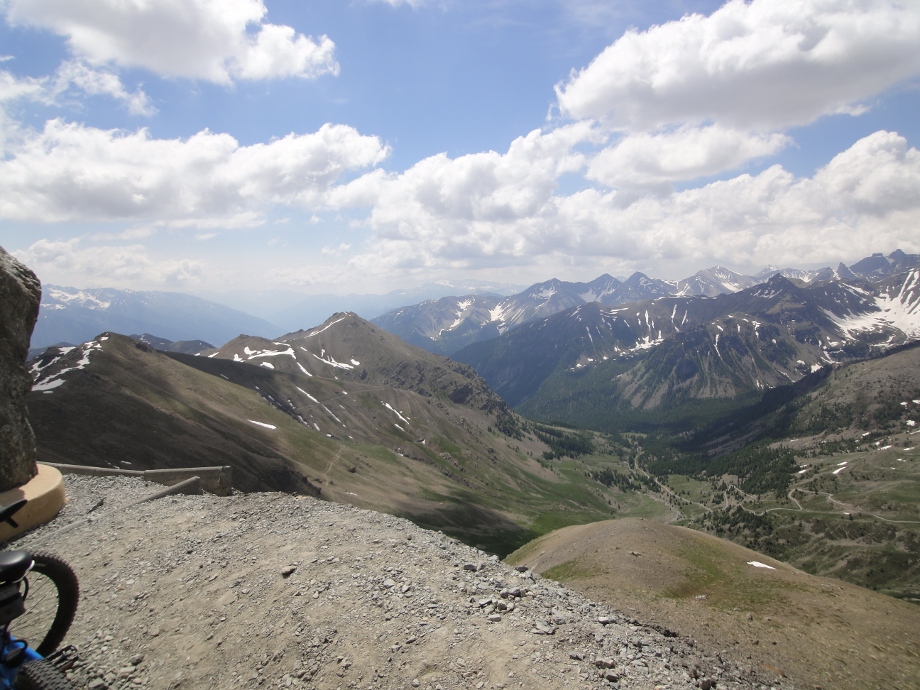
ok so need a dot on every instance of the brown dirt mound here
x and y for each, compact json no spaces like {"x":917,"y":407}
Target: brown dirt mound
{"x":819,"y":632}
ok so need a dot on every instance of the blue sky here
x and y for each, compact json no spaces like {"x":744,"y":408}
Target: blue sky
{"x":220,"y":146}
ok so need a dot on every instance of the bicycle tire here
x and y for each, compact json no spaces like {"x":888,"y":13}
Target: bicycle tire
{"x":41,"y":674}
{"x":51,"y":604}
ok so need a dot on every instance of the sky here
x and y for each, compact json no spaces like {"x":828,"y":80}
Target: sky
{"x":223,"y":146}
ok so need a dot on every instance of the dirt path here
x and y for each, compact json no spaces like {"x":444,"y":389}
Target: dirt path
{"x":335,"y":459}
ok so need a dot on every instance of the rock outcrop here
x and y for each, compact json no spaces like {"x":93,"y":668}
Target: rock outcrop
{"x":20,"y":295}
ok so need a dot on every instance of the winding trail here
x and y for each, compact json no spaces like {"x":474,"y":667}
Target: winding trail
{"x":667,"y":489}
{"x":335,"y":459}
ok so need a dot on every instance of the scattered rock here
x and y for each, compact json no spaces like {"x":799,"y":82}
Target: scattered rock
{"x":376,"y":609}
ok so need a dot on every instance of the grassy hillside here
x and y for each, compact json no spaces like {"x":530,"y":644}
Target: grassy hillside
{"x":819,"y":632}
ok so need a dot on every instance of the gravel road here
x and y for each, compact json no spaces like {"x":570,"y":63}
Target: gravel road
{"x":276,"y":590}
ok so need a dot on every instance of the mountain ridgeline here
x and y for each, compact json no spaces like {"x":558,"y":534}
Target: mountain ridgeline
{"x":447,"y":324}
{"x":638,"y":366}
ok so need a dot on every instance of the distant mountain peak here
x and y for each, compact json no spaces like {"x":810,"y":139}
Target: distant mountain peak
{"x":780,"y":281}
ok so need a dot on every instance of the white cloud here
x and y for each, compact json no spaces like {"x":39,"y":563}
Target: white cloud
{"x":762,"y":65}
{"x":12,"y":88}
{"x":73,"y":172}
{"x":72,"y":75}
{"x":78,"y":263}
{"x":99,"y":82}
{"x":866,"y":197}
{"x":645,"y":160}
{"x":433,"y":216}
{"x":482,"y":187}
{"x":216,"y":40}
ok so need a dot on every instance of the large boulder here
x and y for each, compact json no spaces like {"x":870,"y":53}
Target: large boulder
{"x":20,"y":295}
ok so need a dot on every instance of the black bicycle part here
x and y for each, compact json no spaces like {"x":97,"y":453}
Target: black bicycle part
{"x":64,"y":658}
{"x":6,"y":515}
{"x":41,"y":674}
{"x":51,"y":596}
{"x":14,"y":565}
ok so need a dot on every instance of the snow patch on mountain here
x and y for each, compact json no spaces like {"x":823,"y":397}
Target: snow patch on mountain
{"x":57,"y":298}
{"x":900,"y":311}
{"x":54,"y":380}
{"x":255,"y":354}
{"x":324,"y":328}
{"x":328,"y":359}
{"x":262,"y":424}
{"x":395,"y":411}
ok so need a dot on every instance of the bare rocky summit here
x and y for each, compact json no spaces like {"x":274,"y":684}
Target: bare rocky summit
{"x":277,"y":590}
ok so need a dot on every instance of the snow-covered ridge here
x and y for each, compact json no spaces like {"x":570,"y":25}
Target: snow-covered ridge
{"x":255,"y":354}
{"x":330,"y":360}
{"x":898,"y":310}
{"x":49,"y":383}
{"x":324,"y":328}
{"x":57,"y":298}
{"x":462,"y":313}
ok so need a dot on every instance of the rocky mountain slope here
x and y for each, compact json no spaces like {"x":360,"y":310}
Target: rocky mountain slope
{"x":344,"y":411}
{"x":669,"y":351}
{"x":277,"y":590}
{"x":189,"y":347}
{"x":348,"y":348}
{"x":446,"y":325}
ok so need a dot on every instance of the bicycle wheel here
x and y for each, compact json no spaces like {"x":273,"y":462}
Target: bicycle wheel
{"x":51,"y":603}
{"x":41,"y":674}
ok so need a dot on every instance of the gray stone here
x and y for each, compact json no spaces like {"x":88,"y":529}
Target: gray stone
{"x":543,"y":628}
{"x":20,"y":295}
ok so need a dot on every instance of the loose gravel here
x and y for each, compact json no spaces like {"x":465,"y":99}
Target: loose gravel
{"x":281,"y":591}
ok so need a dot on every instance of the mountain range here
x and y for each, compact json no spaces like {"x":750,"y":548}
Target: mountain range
{"x":429,"y":316}
{"x":611,"y":368}
{"x":448,"y":324}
